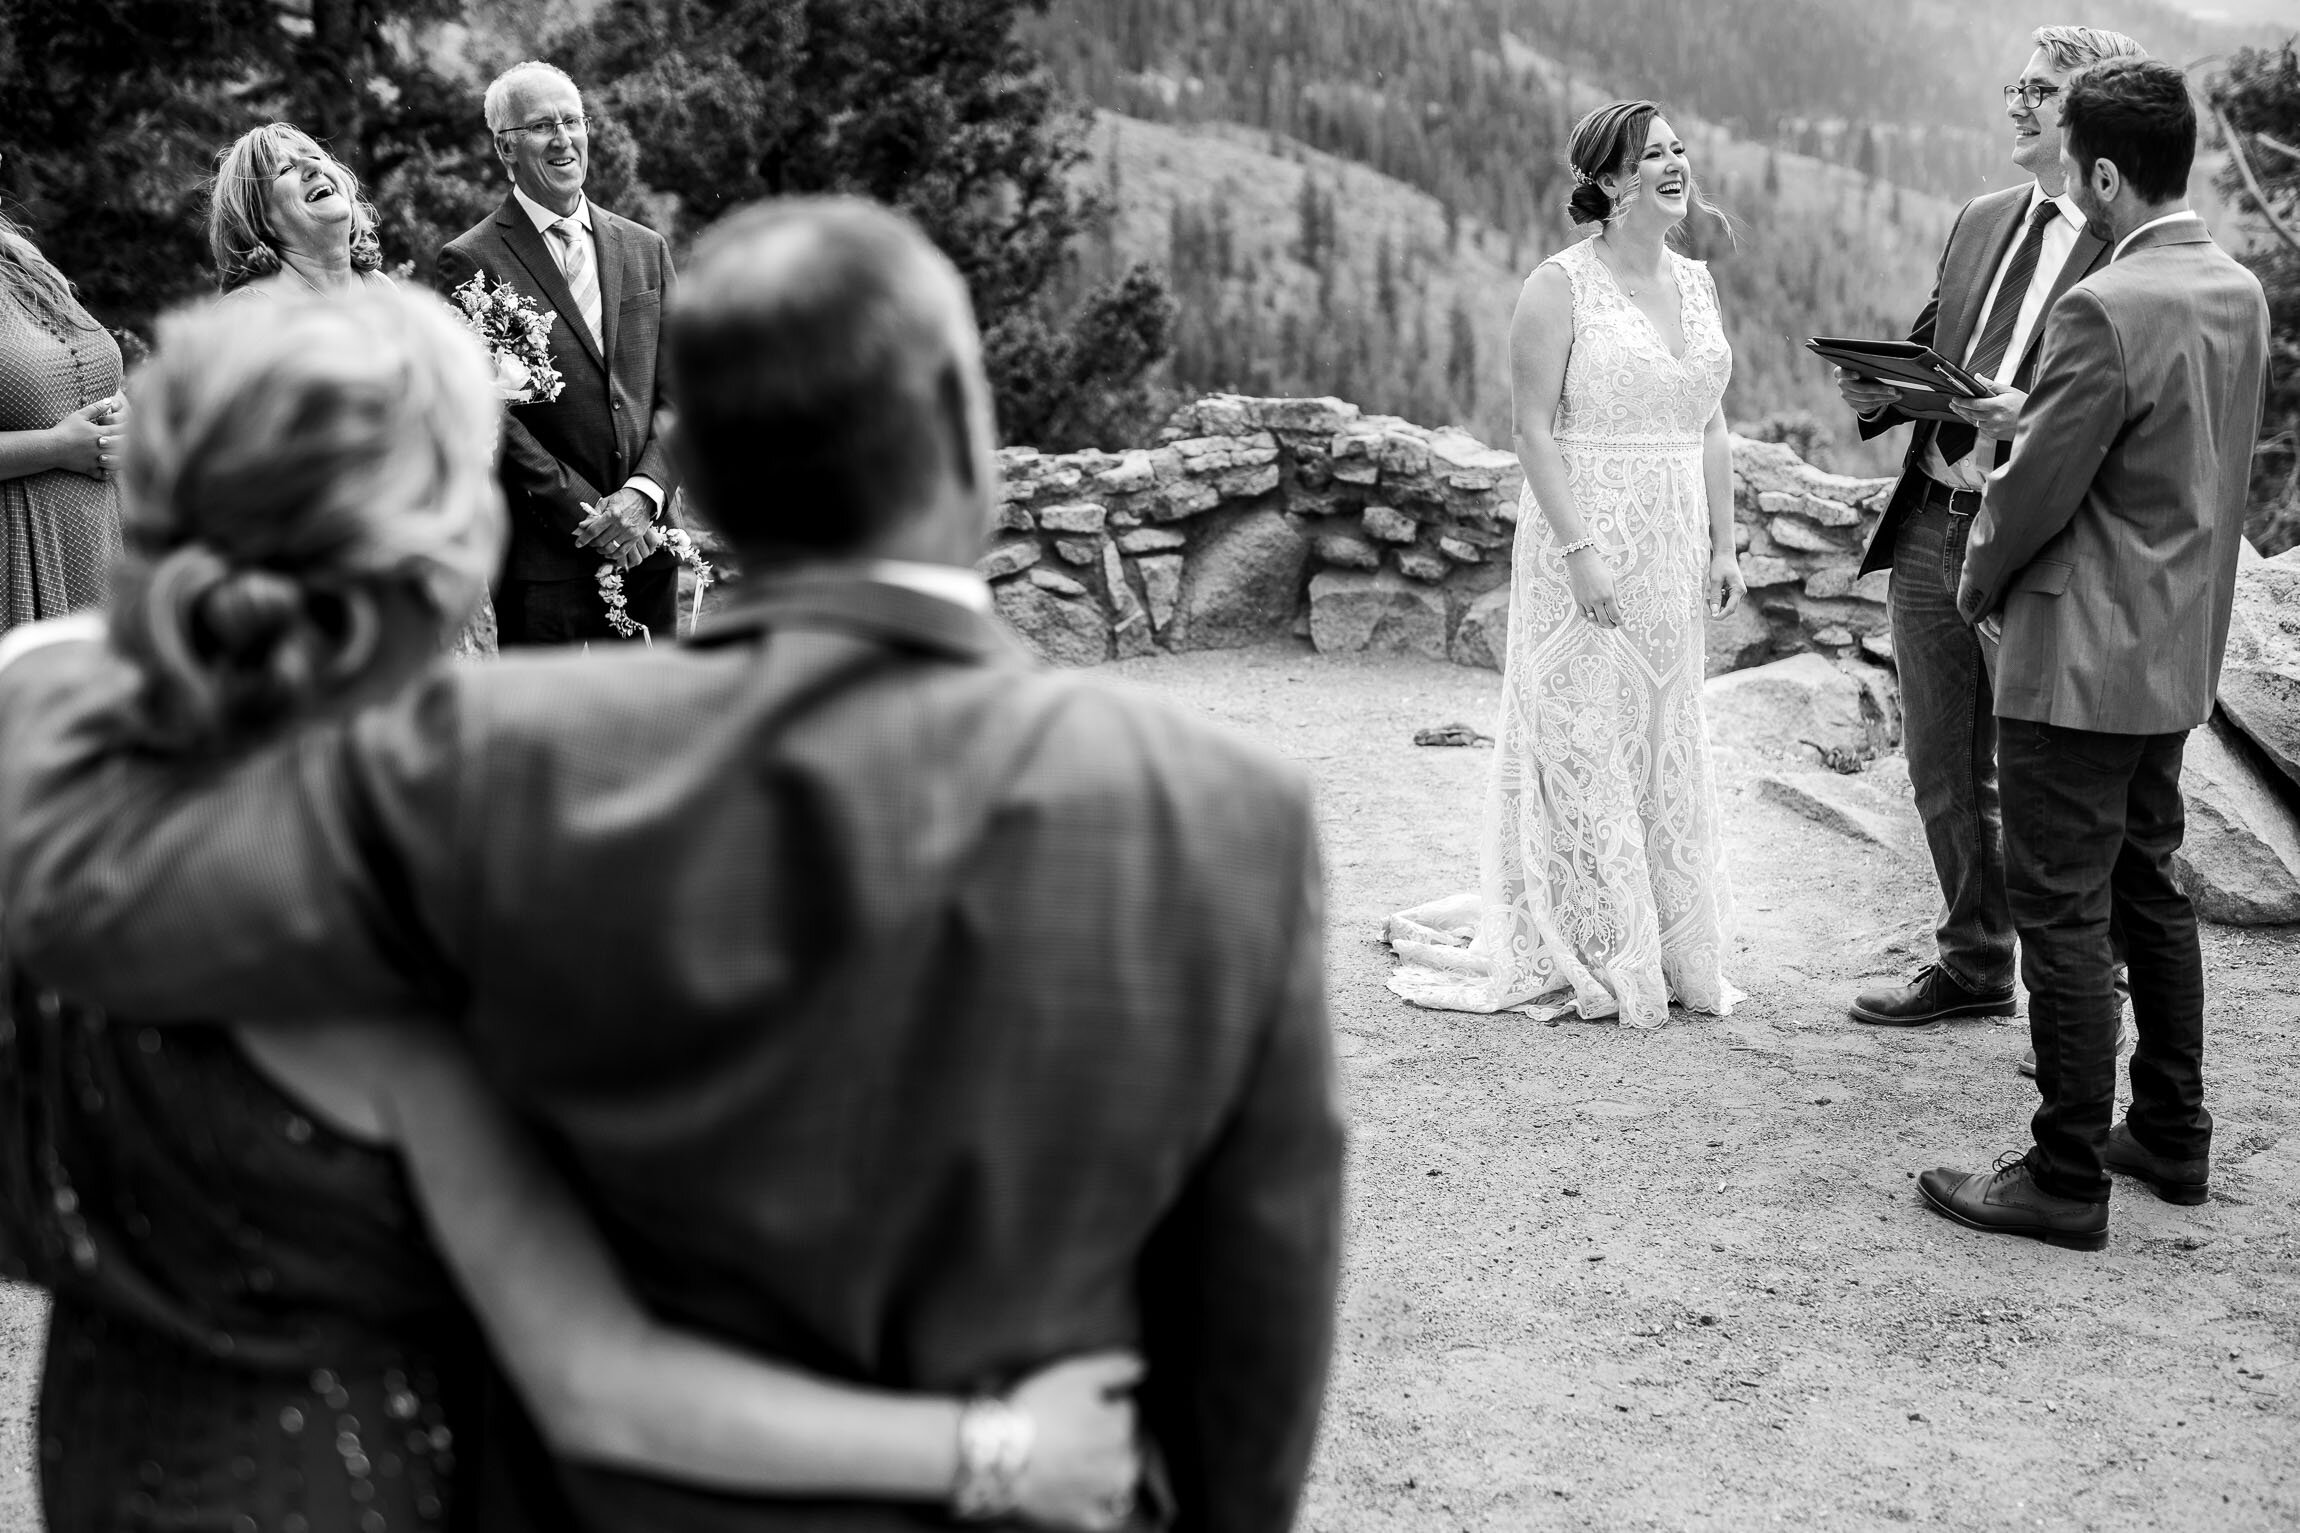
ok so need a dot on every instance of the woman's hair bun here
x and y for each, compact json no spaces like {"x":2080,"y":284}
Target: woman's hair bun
{"x":1589,"y":204}
{"x":247,"y":612}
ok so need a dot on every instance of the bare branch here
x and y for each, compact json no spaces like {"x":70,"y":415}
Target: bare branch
{"x":2252,"y":182}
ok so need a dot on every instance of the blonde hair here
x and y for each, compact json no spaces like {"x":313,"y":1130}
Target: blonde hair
{"x":2074,"y":48}
{"x":241,"y":239}
{"x":35,"y":281}
{"x":283,"y":477}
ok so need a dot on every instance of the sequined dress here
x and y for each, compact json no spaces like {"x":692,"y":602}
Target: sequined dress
{"x":250,"y":1331}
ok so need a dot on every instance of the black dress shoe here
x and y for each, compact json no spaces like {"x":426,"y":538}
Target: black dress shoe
{"x":1929,"y":997}
{"x":2007,"y":1201}
{"x":2175,"y":1181}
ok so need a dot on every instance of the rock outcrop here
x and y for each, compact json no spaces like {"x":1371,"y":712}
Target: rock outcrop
{"x":1806,"y":709}
{"x":2260,"y":679}
{"x":1226,"y":533}
{"x":2240,"y":859}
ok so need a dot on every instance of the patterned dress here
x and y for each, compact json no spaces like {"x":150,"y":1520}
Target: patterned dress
{"x":1603,"y":890}
{"x":59,"y":531}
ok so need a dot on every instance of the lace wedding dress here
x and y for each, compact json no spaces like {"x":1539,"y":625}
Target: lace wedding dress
{"x":1603,"y":889}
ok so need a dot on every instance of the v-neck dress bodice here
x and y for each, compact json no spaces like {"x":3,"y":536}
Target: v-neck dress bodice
{"x":1603,"y":888}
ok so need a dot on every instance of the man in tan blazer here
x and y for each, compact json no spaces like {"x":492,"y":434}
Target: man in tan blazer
{"x":2106,"y":549}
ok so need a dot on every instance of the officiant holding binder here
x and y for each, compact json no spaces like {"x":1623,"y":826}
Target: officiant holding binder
{"x":2010,"y":255}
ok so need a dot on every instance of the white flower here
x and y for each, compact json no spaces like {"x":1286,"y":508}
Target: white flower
{"x":514,"y":381}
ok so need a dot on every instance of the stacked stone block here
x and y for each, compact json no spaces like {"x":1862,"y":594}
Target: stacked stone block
{"x":1255,"y":518}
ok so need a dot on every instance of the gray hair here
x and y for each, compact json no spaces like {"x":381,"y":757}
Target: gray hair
{"x":287,"y":478}
{"x":2074,"y":48}
{"x":497,"y":104}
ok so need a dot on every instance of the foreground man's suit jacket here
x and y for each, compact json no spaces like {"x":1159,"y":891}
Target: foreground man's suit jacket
{"x":2110,"y":537}
{"x":918,"y":1015}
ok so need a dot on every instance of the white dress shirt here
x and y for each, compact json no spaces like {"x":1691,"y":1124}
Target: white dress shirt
{"x":1971,"y":472}
{"x":543,"y":218}
{"x":948,"y":582}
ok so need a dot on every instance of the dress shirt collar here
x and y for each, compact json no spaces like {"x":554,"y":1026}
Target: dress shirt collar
{"x":946,"y":582}
{"x":2154,"y":223}
{"x":543,"y":218}
{"x":2064,"y":202}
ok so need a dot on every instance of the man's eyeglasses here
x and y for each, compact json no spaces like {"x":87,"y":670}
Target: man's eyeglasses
{"x":549,"y":125}
{"x":2030,"y":96}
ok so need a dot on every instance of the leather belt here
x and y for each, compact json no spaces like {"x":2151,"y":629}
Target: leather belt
{"x":1955,"y":502}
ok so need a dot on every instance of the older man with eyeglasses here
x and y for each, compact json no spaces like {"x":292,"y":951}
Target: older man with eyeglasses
{"x":2010,"y":256}
{"x":586,"y":474}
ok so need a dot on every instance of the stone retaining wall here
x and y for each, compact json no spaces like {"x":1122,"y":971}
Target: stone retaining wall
{"x":1255,"y":518}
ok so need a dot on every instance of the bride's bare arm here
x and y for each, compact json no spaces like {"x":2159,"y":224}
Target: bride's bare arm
{"x":1540,"y":345}
{"x":610,"y":1384}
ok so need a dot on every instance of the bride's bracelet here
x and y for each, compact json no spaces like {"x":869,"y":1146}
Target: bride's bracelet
{"x":994,"y":1443}
{"x":1576,"y":546}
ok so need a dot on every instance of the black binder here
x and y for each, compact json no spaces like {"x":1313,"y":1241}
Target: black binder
{"x":1927,"y":380}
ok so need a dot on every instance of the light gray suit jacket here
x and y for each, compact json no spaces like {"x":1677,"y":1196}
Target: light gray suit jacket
{"x":2109,"y":538}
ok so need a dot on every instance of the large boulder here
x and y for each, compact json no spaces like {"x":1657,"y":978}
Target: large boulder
{"x":1805,"y":709}
{"x":1742,"y":637}
{"x":2260,"y":680}
{"x":1482,"y":639}
{"x":1386,"y":613}
{"x":2240,"y":861}
{"x":1242,"y":585}
{"x":1844,"y":804}
{"x":1060,"y":629}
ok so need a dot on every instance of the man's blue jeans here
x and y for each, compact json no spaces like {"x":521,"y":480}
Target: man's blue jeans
{"x":1949,"y":730}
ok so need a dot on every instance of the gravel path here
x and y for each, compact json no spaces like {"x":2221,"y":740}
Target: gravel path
{"x":1681,"y":1279}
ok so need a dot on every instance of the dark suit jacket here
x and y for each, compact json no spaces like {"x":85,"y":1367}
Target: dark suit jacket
{"x":925,"y":1016}
{"x":606,"y":425}
{"x":2110,"y":538}
{"x":1979,"y":241}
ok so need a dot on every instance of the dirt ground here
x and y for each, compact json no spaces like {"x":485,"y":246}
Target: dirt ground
{"x":1682,"y":1279}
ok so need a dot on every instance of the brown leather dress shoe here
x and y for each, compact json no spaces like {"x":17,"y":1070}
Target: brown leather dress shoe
{"x":1929,"y":997}
{"x":2007,"y":1201}
{"x":2175,"y":1181}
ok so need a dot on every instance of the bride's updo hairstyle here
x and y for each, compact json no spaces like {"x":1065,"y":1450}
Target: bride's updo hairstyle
{"x":291,"y":486}
{"x":1609,"y":142}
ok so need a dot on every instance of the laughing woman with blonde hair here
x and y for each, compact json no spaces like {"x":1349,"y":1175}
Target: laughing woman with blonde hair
{"x":285,"y":216}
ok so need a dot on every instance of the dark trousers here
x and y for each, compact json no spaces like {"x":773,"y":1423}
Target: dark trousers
{"x":2091,"y":822}
{"x":1949,"y":730}
{"x":572,"y":611}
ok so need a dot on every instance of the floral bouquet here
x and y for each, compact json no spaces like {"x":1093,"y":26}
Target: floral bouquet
{"x":517,"y":336}
{"x":619,"y":617}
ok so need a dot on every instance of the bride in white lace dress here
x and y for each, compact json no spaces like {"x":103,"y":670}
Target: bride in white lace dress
{"x":1604,"y":889}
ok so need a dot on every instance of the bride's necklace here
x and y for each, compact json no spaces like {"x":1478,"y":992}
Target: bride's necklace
{"x":1613,"y":264}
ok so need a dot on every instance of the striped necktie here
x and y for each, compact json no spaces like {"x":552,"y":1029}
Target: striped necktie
{"x":582,"y":276}
{"x":1956,"y":438}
